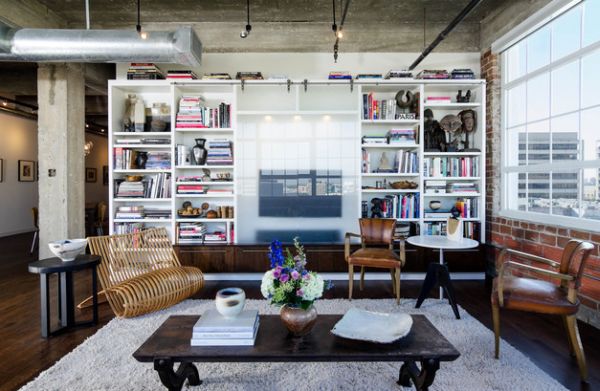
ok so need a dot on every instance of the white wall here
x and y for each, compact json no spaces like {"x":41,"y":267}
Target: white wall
{"x":18,"y":141}
{"x":318,"y":65}
{"x":96,"y":191}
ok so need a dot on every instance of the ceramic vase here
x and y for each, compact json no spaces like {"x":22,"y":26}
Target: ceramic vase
{"x":199,"y":153}
{"x":230,"y":302}
{"x":299,"y":322}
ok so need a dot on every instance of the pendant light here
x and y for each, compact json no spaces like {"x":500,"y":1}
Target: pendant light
{"x":246,"y":32}
{"x":338,"y":32}
{"x":138,"y":26}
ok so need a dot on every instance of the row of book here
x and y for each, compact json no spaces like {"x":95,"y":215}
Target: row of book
{"x":194,"y":114}
{"x":451,"y":166}
{"x":385,"y":109}
{"x":405,"y":162}
{"x":143,"y":140}
{"x":401,"y":206}
{"x":151,"y":186}
{"x":144,"y":71}
{"x":213,"y":329}
{"x":444,"y":187}
{"x":188,"y":233}
{"x":219,"y":152}
{"x":141,"y":212}
{"x":470,"y":229}
{"x":181,"y":75}
{"x":125,"y":158}
{"x":128,"y":228}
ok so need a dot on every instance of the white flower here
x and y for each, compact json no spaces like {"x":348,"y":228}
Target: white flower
{"x":266,"y":287}
{"x":312,"y":287}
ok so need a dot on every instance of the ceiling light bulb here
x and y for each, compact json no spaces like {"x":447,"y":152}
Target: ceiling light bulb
{"x":102,"y":130}
{"x":4,"y":103}
{"x":246,"y":32}
{"x":143,"y":35}
{"x":87,"y":125}
{"x":340,"y":34}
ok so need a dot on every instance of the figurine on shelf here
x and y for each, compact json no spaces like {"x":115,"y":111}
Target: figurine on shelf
{"x":404,"y":101}
{"x":460,"y":98}
{"x":451,"y":124}
{"x":199,"y":152}
{"x":469,"y":126}
{"x":384,"y":164}
{"x":376,"y":208}
{"x":435,"y":138}
{"x":129,"y":114}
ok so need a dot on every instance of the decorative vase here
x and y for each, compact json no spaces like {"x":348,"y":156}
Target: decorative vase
{"x":230,"y":302}
{"x":141,"y":159}
{"x":435,"y":205}
{"x":299,"y":322}
{"x":199,"y":152}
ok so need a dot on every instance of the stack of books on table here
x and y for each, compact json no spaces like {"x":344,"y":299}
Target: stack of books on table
{"x":190,"y":233}
{"x":144,"y":71}
{"x":181,"y":75}
{"x":219,"y":152}
{"x":213,"y":329}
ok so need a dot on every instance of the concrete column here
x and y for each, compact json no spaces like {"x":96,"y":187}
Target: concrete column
{"x":61,"y":136}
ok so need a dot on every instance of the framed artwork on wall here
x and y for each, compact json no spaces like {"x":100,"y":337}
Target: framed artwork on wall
{"x":90,"y":175}
{"x":26,"y":171}
{"x":105,"y":175}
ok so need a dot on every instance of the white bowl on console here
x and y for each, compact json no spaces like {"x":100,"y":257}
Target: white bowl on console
{"x":67,"y":250}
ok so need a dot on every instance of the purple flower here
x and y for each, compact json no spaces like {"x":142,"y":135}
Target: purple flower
{"x":277,"y":272}
{"x":306,"y":276}
{"x":284,"y":278}
{"x":300,"y":292}
{"x":295,"y":275}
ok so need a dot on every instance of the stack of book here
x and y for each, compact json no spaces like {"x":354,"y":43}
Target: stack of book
{"x":435,"y":187}
{"x":219,"y":152}
{"x":340,"y":75}
{"x":374,"y":140}
{"x":213,"y":329}
{"x":395,"y":74}
{"x":215,"y":237}
{"x":130,"y":212}
{"x":158,"y":160}
{"x":125,"y":159}
{"x":144,"y":71}
{"x":462,"y":74}
{"x":369,"y":76}
{"x":152,"y":186}
{"x":401,"y":136}
{"x":462,"y":187}
{"x":156,"y":213}
{"x":216,"y":76}
{"x":249,"y":76}
{"x":194,"y":114}
{"x":181,"y":75}
{"x":378,"y":109}
{"x":433,"y":74}
{"x":189,"y":178}
{"x":214,"y":191}
{"x":401,"y":206}
{"x":190,"y":189}
{"x":190,"y":233}
{"x":451,"y":166}
{"x":128,"y":189}
{"x":407,"y":162}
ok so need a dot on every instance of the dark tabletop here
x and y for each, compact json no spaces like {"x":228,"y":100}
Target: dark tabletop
{"x":56,"y":265}
{"x":274,"y":344}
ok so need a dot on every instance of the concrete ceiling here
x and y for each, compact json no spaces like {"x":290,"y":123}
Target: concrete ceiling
{"x":292,"y":25}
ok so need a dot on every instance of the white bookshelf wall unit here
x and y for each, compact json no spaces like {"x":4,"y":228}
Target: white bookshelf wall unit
{"x":304,"y":125}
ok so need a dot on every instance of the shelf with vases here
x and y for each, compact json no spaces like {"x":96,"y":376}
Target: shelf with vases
{"x":389,"y":191}
{"x":133,"y":199}
{"x":386,"y":174}
{"x":390,"y":146}
{"x":465,"y":194}
{"x":204,"y":130}
{"x":140,"y":171}
{"x":211,"y":195}
{"x":142,"y":134}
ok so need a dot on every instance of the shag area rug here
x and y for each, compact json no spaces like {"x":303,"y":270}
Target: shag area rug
{"x":104,"y":361}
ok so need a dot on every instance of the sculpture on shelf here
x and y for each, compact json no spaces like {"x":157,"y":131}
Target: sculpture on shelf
{"x":376,"y":208}
{"x":460,"y":98}
{"x":451,"y":124}
{"x":469,"y":126}
{"x":384,"y":164}
{"x":435,"y":138}
{"x":206,"y":177}
{"x":404,"y":101}
{"x":199,"y":153}
{"x":129,"y":114}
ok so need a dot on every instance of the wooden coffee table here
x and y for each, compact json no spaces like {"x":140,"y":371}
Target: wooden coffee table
{"x":171,"y":344}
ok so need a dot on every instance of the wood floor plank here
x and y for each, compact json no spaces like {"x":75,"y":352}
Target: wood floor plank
{"x":24,"y":354}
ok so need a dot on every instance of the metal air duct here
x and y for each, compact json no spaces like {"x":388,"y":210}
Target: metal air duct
{"x":181,"y":46}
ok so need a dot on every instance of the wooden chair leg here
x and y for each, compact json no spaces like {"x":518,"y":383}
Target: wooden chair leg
{"x":571,"y":351}
{"x":362,"y":277}
{"x":577,"y":347}
{"x":496,"y":321}
{"x":350,"y":280}
{"x":398,"y":286}
{"x":393,"y":281}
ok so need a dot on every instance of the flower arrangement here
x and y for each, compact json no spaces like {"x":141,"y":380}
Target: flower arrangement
{"x":288,"y":282}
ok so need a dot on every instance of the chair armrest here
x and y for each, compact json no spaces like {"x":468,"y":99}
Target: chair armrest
{"x":531,"y":257}
{"x":347,"y":243}
{"x":401,"y":248}
{"x":546,"y":272}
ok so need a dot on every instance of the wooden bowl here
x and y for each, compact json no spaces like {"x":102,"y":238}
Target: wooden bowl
{"x":400,"y":185}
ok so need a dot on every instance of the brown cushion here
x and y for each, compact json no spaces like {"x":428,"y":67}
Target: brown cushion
{"x":375,"y":257}
{"x":527,"y":294}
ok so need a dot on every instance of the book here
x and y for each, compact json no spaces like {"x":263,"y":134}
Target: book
{"x":225,"y":341}
{"x":213,"y":321}
{"x":227,"y":334}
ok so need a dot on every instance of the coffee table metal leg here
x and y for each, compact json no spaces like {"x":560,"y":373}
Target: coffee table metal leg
{"x":174,"y":380}
{"x":421,"y":378}
{"x":45,"y":304}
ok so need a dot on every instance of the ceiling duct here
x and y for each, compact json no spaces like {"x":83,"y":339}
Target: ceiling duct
{"x":181,"y":46}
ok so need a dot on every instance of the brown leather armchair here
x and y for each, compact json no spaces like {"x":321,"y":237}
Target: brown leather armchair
{"x":375,"y":232}
{"x":541,"y":296}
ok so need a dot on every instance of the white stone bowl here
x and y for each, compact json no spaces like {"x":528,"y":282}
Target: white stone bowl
{"x":230,"y":302}
{"x":67,"y":250}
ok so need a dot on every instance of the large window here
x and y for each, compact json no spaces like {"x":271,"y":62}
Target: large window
{"x":551,"y":121}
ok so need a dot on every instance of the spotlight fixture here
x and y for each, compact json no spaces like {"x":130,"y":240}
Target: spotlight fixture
{"x":4,"y":103}
{"x":246,"y":32}
{"x":138,"y":26}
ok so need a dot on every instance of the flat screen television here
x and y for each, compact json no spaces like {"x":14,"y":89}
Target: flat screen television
{"x":300,"y":193}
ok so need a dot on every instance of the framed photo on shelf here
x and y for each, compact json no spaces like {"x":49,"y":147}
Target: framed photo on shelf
{"x":90,"y":175}
{"x":26,"y":171}
{"x":105,"y":175}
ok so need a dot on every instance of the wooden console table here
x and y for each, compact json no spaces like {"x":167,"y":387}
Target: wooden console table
{"x":170,"y":344}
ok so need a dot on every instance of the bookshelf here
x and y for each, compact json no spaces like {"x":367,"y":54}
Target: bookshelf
{"x":261,"y":106}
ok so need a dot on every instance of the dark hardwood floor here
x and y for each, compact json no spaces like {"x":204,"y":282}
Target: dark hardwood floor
{"x":24,"y":354}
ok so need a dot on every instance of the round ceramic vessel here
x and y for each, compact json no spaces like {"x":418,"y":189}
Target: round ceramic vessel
{"x":299,"y":322}
{"x":230,"y":301}
{"x":67,"y":250}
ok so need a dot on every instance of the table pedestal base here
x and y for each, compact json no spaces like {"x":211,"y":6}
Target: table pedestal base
{"x":420,"y":378}
{"x":438,"y":273}
{"x":174,"y":380}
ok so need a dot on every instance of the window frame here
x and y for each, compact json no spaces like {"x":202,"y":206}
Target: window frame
{"x":550,"y":167}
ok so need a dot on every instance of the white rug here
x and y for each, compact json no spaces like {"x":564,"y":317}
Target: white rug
{"x":104,"y":361}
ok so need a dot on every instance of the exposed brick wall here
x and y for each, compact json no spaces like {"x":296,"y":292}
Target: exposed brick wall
{"x":539,"y":239}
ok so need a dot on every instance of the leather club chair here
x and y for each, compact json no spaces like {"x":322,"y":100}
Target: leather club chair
{"x":375,"y":232}
{"x":542,"y":296}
